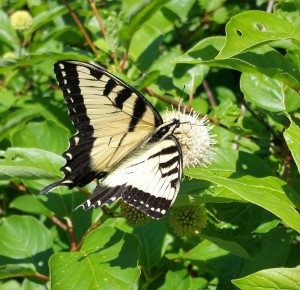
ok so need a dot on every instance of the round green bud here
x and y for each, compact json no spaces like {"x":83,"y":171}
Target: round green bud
{"x":133,"y":215}
{"x":188,"y":220}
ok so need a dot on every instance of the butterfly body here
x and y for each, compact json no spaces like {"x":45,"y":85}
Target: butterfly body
{"x":120,"y":138}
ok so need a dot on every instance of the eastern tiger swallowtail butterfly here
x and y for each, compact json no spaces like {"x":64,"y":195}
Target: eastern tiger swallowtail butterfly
{"x":121,"y":139}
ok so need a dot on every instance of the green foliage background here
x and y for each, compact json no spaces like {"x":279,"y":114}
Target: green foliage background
{"x":239,"y":62}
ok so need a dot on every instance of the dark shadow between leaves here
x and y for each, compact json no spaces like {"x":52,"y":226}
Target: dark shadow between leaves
{"x":181,"y":69}
{"x":207,"y":53}
{"x":249,"y":164}
{"x":292,"y":195}
{"x":149,"y":55}
{"x":165,"y":83}
{"x":225,"y":267}
{"x":270,"y":63}
{"x":39,"y":260}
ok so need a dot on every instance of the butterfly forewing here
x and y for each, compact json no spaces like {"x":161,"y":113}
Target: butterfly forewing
{"x":149,"y":180}
{"x":111,"y":117}
{"x":120,"y":139}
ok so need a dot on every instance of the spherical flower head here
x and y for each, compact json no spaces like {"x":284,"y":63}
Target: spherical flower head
{"x":193,"y":136}
{"x":133,"y":215}
{"x":21,"y":20}
{"x":187,"y":221}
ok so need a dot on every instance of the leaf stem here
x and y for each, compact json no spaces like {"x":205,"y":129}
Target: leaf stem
{"x":72,"y":234}
{"x":98,"y":18}
{"x":56,"y":221}
{"x":209,"y":93}
{"x":166,"y":100}
{"x":40,"y":276}
{"x":124,"y":58}
{"x":84,"y":191}
{"x":176,"y":105}
{"x":90,"y":229}
{"x":82,"y":29}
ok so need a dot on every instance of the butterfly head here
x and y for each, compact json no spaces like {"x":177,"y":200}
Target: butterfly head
{"x":165,"y":130}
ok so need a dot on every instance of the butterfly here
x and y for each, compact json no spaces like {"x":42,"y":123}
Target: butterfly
{"x":121,"y":140}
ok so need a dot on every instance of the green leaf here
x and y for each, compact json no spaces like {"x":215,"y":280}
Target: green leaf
{"x":145,"y":45}
{"x":269,"y":256}
{"x":25,"y":245}
{"x":152,"y":239}
{"x":189,"y":77}
{"x":30,"y":204}
{"x":181,"y":280}
{"x":180,"y":7}
{"x":291,"y":136}
{"x":48,"y":16}
{"x":265,"y":60}
{"x":107,"y":260}
{"x":29,"y":163}
{"x":43,"y":135}
{"x":277,"y":278}
{"x":249,"y":29}
{"x":16,"y":118}
{"x":201,"y":191}
{"x":269,"y":192}
{"x":7,"y":66}
{"x":294,"y":56}
{"x":8,"y":35}
{"x":288,"y":10}
{"x":60,"y":201}
{"x":210,"y":6}
{"x":136,"y":15}
{"x":146,"y":80}
{"x":205,"y":251}
{"x":203,"y":52}
{"x":209,"y":257}
{"x":7,"y":100}
{"x":12,"y":270}
{"x":237,"y":245}
{"x":268,"y":93}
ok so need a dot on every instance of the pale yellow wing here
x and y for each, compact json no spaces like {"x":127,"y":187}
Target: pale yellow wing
{"x":149,"y":180}
{"x":112,"y":119}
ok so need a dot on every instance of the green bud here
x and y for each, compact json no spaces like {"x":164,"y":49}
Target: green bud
{"x":188,"y":220}
{"x":133,"y":215}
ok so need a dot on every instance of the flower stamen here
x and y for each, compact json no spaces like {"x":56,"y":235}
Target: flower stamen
{"x":193,"y":136}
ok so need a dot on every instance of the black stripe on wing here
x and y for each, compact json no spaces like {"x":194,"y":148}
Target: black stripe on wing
{"x":169,"y":171}
{"x":81,"y":82}
{"x":67,"y":73}
{"x":154,"y":207}
{"x":68,"y":80}
{"x":77,"y":169}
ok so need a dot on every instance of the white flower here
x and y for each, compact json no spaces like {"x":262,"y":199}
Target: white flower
{"x":193,"y":136}
{"x":21,"y":20}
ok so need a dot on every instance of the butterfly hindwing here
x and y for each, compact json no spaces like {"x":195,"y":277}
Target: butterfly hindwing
{"x":112,"y":119}
{"x":149,"y":180}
